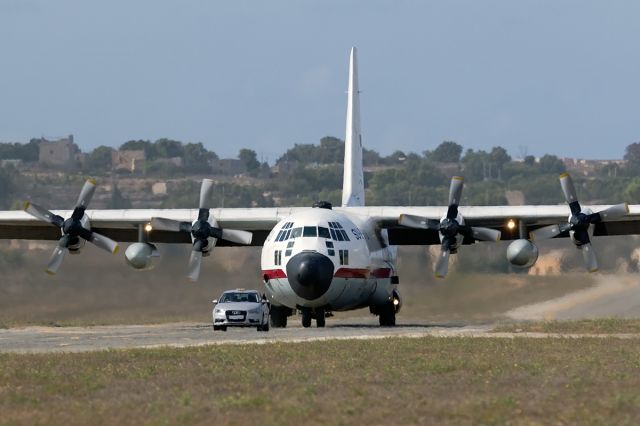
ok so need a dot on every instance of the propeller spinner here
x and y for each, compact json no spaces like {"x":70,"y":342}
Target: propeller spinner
{"x":579,"y":222}
{"x":73,"y":228}
{"x":450,"y":228}
{"x":201,"y":230}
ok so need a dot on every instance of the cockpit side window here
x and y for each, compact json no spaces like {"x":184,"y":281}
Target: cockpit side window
{"x":323,"y":232}
{"x":297,"y":232}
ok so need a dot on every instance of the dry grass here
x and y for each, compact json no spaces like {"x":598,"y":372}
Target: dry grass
{"x":390,"y":381}
{"x":94,"y":288}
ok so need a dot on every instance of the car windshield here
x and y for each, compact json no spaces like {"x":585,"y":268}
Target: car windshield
{"x":239,"y":297}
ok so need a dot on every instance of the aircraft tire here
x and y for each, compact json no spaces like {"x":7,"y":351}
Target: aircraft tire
{"x":278,"y":316}
{"x":306,"y":317}
{"x":387,"y":316}
{"x":320,"y":318}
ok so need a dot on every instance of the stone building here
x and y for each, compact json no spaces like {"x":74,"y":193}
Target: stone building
{"x":60,"y":153}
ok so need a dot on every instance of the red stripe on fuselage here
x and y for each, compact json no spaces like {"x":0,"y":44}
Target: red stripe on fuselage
{"x":351,"y":273}
{"x":381,"y":272}
{"x":273,"y":274}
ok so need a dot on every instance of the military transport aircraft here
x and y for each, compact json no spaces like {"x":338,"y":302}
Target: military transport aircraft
{"x":320,"y":259}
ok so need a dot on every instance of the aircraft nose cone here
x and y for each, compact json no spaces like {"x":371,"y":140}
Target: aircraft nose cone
{"x":310,"y":274}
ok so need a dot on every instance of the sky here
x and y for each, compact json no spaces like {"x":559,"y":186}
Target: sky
{"x":535,"y":77}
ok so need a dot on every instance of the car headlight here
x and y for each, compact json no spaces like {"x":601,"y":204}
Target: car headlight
{"x":255,"y":311}
{"x":218,"y":311}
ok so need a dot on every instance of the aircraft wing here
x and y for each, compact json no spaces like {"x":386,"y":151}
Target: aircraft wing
{"x":495,"y":217}
{"x":124,"y":225}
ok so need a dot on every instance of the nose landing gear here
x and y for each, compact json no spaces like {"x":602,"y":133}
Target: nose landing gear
{"x":310,"y":313}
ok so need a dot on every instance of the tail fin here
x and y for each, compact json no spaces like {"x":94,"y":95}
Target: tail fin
{"x":353,"y":179}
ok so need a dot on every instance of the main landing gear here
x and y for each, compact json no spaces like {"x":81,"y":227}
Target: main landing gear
{"x":386,"y":314}
{"x":278,"y":316}
{"x":308,"y":314}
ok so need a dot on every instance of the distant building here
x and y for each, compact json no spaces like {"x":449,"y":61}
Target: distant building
{"x":589,"y":167}
{"x":61,"y":153}
{"x":14,"y":162}
{"x":129,"y":160}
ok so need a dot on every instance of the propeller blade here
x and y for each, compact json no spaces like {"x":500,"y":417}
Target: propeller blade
{"x":570,"y":194}
{"x":589,"y":256}
{"x":545,"y":233}
{"x":486,"y":234}
{"x":56,"y":259}
{"x":205,"y":193}
{"x":86,"y":193}
{"x":163,"y":224}
{"x":103,"y":242}
{"x":43,"y":214}
{"x":195,"y":260}
{"x":455,"y":190}
{"x":613,"y":212}
{"x":418,"y":222}
{"x":442,"y":264}
{"x":237,"y":236}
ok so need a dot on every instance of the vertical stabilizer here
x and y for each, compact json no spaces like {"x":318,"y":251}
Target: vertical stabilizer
{"x":353,"y":180}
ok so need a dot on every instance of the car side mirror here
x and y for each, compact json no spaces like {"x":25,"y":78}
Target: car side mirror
{"x":214,"y":301}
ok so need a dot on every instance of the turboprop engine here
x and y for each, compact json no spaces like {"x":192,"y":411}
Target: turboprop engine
{"x":139,"y":255}
{"x":522,"y":253}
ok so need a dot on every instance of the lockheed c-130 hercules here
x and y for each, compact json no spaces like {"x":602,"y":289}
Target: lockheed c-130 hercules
{"x":321,"y":259}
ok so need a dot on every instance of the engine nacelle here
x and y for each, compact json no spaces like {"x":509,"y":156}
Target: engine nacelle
{"x":522,"y":253}
{"x":139,"y":255}
{"x":397,"y":300}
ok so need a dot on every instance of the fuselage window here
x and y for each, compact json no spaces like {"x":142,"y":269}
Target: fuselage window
{"x":344,"y":257}
{"x":344,"y":235}
{"x":277,"y":257}
{"x":288,"y":234}
{"x":279,"y":237}
{"x":287,"y":253}
{"x":333,"y":234}
{"x":310,"y":231}
{"x":329,"y":244}
{"x":331,"y":252}
{"x":290,"y":244}
{"x":323,"y":232}
{"x":297,"y":232}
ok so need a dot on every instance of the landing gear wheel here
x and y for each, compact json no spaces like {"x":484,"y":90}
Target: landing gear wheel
{"x":387,"y":315}
{"x":306,"y":317}
{"x":320,"y":318}
{"x":279,"y":316}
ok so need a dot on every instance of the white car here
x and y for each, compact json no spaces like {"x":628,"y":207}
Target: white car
{"x":241,"y":308}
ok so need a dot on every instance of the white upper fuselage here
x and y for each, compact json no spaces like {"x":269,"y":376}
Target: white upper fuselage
{"x":362,"y":260}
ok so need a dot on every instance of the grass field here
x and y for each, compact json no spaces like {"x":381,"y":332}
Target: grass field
{"x":390,"y":381}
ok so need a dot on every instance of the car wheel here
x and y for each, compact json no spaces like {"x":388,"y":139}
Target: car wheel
{"x":223,"y":327}
{"x":216,"y":327}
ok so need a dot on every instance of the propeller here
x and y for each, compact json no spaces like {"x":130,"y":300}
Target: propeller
{"x":201,"y":230}
{"x":450,"y":228}
{"x":579,"y":222}
{"x":72,"y":228}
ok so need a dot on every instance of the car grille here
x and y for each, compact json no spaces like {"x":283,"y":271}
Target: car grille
{"x":236,"y":316}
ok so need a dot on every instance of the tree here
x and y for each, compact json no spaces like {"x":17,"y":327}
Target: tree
{"x":446,"y":152}
{"x":118,"y":201}
{"x":249,"y":159}
{"x":197,"y":159}
{"x":168,"y":148}
{"x":99,"y":160}
{"x":551,"y":164}
{"x":632,"y":155}
{"x":144,"y":145}
{"x":499,"y":158}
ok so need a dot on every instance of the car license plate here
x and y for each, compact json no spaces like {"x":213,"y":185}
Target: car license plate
{"x":236,"y":317}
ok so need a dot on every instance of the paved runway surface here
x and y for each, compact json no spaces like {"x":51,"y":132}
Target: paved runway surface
{"x":80,"y":339}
